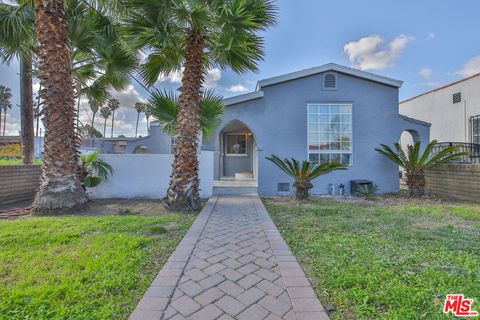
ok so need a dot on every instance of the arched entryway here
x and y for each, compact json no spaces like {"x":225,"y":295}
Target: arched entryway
{"x":237,"y":153}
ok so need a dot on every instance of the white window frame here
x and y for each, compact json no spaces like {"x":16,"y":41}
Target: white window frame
{"x":351,"y":151}
{"x":236,"y":154}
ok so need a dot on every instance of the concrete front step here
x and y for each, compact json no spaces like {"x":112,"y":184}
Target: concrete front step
{"x":235,"y":190}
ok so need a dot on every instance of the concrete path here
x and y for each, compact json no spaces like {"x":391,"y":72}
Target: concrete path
{"x":232,"y":264}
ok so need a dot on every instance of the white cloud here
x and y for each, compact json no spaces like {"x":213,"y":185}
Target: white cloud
{"x":237,"y":88}
{"x":211,"y":79}
{"x":471,"y":67}
{"x":431,"y":35}
{"x":371,"y":53}
{"x":12,"y":125}
{"x":426,"y":73}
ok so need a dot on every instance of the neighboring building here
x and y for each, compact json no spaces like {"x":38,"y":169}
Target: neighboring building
{"x":157,"y":142}
{"x":453,"y":110}
{"x":326,"y":113}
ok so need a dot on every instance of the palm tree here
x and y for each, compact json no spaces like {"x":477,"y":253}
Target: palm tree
{"x":17,"y":39}
{"x":163,"y":106}
{"x":304,"y":173}
{"x":94,"y":106}
{"x":61,"y":189}
{"x":140,"y":107}
{"x":113,"y":104}
{"x":415,"y":163}
{"x":147,"y":117}
{"x":193,"y":36}
{"x":5,"y":103}
{"x":99,"y":59}
{"x":105,"y":112}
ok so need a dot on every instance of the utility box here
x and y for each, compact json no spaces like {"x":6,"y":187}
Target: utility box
{"x":355,"y":185}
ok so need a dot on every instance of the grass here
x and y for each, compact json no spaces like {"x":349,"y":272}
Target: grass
{"x":384,"y":260}
{"x":5,"y":162}
{"x":89,"y":267}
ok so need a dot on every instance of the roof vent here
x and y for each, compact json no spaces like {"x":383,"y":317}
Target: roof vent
{"x":457,"y":97}
{"x":329,"y":81}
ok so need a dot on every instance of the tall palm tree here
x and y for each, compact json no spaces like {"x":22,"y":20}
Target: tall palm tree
{"x":113,"y":104}
{"x":105,"y":112}
{"x":192,"y":36}
{"x":163,"y":106}
{"x":140,"y":107}
{"x":415,"y":163}
{"x":99,"y":59}
{"x":17,"y":39}
{"x":94,"y":106}
{"x":5,"y":103}
{"x":61,"y":189}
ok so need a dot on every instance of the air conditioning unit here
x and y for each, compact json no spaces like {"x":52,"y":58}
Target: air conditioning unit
{"x":355,"y":185}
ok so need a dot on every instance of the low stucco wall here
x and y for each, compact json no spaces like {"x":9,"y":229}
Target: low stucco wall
{"x":455,"y":181}
{"x":148,"y":176}
{"x":19,"y":183}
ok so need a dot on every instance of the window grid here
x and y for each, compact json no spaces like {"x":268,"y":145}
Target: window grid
{"x":330,"y":133}
{"x":236,"y":144}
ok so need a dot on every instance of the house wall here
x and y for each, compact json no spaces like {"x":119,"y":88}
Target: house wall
{"x":450,"y":122}
{"x":279,"y":124}
{"x":147,"y":176}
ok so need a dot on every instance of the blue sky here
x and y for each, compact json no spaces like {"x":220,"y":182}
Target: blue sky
{"x":424,"y":43}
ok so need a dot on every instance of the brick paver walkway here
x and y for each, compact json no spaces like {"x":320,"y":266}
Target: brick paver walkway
{"x":232,"y":264}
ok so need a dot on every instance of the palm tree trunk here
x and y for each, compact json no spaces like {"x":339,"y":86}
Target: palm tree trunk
{"x":93,"y":120}
{"x":0,"y":119}
{"x":26,"y":88}
{"x":113,"y":119}
{"x":136,"y":126}
{"x":104,"y":127}
{"x":416,"y":182}
{"x":4,"y":121}
{"x":61,"y":190}
{"x":183,"y":190}
{"x":38,"y":112}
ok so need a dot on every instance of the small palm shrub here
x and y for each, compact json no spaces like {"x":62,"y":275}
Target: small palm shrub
{"x":304,"y":173}
{"x":94,"y":170}
{"x":368,"y":192}
{"x":415,"y":163}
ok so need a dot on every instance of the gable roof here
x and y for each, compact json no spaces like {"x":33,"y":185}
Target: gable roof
{"x":329,"y":67}
{"x":258,"y":93}
{"x":442,"y":87}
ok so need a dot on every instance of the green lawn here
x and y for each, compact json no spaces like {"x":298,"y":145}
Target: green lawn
{"x":4,"y":162}
{"x":393,"y":259}
{"x":82,"y":267}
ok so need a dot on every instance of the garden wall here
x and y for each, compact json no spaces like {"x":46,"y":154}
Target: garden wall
{"x":455,"y":181}
{"x":147,"y":176}
{"x":18,"y":183}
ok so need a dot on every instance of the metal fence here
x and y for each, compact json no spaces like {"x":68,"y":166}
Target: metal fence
{"x":472,"y":148}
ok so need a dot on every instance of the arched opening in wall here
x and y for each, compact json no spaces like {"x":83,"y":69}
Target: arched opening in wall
{"x":408,"y":137}
{"x":141,"y":150}
{"x":237,"y":154}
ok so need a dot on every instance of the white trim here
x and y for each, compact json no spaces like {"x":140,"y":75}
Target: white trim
{"x":329,"y":67}
{"x":242,"y":98}
{"x":331,"y":151}
{"x":237,"y":154}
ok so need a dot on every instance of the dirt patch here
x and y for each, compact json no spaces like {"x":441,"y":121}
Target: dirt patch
{"x":126,"y":207}
{"x":101,"y":207}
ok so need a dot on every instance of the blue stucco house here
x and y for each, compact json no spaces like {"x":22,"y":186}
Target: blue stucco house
{"x":326,"y":113}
